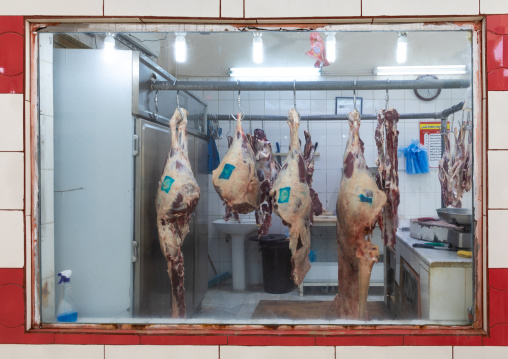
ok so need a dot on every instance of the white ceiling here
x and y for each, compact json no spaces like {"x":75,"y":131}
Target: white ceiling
{"x":212,"y":54}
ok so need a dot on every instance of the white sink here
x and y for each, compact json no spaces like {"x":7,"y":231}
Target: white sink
{"x":238,"y":232}
{"x":232,"y":226}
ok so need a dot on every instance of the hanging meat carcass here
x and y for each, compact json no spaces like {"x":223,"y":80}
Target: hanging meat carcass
{"x":235,"y":180}
{"x":308,"y":155}
{"x":359,"y":206}
{"x":455,"y":167}
{"x":292,"y":201}
{"x":176,"y":199}
{"x":387,"y":141}
{"x":267,"y":170}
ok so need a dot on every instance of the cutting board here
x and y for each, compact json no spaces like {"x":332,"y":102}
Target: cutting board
{"x":429,"y":229}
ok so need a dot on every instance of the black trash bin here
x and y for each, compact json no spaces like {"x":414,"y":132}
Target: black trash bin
{"x":276,"y":256}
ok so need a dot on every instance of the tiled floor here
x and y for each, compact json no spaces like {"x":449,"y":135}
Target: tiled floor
{"x":224,"y":303}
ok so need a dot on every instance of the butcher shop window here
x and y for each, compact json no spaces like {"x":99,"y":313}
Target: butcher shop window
{"x":257,"y":177}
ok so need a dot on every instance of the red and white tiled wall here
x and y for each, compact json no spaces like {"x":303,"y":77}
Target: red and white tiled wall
{"x":15,"y":207}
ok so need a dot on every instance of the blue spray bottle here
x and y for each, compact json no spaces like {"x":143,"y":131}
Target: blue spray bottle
{"x":66,"y":310}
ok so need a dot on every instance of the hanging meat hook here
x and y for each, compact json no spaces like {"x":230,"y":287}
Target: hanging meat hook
{"x":239,"y":105}
{"x":294,"y":95}
{"x":387,"y":99}
{"x":178,"y":104}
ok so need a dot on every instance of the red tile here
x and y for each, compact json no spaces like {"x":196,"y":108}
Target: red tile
{"x":12,"y":308}
{"x":372,"y":340}
{"x":271,"y":340}
{"x":498,"y":306}
{"x":498,"y":80}
{"x":11,"y":56}
{"x":498,"y":335}
{"x":497,"y":24}
{"x":473,"y":340}
{"x":112,"y":339}
{"x":19,"y":336}
{"x":184,"y":340}
{"x":498,"y":278}
{"x":11,"y":84}
{"x":495,"y":51}
{"x":11,"y":24}
{"x":11,"y":276}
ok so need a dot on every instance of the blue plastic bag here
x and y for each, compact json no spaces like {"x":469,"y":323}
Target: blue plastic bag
{"x":417,"y":158}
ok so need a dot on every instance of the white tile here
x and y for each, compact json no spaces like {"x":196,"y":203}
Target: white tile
{"x":427,"y":205}
{"x":498,"y":243}
{"x":319,"y":181}
{"x":498,"y":126}
{"x":190,"y":8}
{"x":225,"y":267}
{"x":11,"y":122}
{"x":498,"y":172}
{"x":333,"y":178}
{"x":228,"y":107}
{"x":401,"y":352}
{"x":52,"y":7}
{"x":52,"y":351}
{"x":318,"y":132}
{"x":11,"y":180}
{"x":430,"y":7}
{"x":225,"y":250}
{"x":231,"y":8}
{"x":272,"y":107}
{"x":493,"y":7}
{"x":476,"y":352}
{"x":318,"y":106}
{"x":446,"y":292}
{"x":228,"y":95}
{"x":160,"y":351}
{"x":11,"y":239}
{"x":234,"y":352}
{"x":257,"y":107}
{"x":334,"y":157}
{"x":331,"y":201}
{"x":412,"y":206}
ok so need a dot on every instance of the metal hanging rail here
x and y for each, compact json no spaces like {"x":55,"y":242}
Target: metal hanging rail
{"x":309,"y":85}
{"x":443,"y":115}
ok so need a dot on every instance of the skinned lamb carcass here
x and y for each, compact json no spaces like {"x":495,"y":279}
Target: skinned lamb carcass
{"x":177,"y":197}
{"x":293,"y":203}
{"x":359,"y":206}
{"x":267,"y":170}
{"x":387,"y":141}
{"x":235,"y":179}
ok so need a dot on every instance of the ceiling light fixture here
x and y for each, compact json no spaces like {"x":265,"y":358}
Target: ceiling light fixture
{"x":331,"y":47}
{"x":402,"y":48}
{"x":109,"y":48}
{"x":290,"y":72}
{"x":420,"y":70}
{"x":257,"y":48}
{"x":180,"y":47}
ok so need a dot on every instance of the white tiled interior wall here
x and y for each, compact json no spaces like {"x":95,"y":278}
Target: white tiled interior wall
{"x":420,"y":194}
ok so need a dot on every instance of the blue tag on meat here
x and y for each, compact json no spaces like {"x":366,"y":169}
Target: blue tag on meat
{"x":226,"y":171}
{"x":365,"y":199}
{"x":284,"y":195}
{"x":166,"y":184}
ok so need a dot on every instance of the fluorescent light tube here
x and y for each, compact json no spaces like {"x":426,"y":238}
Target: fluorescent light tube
{"x":402,"y":48}
{"x":257,"y":49}
{"x":109,"y":49}
{"x":292,"y":72}
{"x":420,"y":70}
{"x":331,"y":47}
{"x":180,"y":47}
